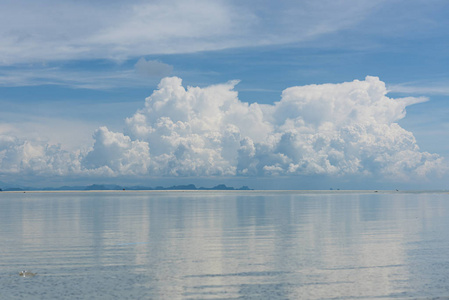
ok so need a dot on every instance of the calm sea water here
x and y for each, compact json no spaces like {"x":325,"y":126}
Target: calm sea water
{"x":224,"y":245}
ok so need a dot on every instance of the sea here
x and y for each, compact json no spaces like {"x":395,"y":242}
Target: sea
{"x":224,"y":245}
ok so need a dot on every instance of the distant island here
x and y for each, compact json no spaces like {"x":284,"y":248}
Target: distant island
{"x":114,"y":187}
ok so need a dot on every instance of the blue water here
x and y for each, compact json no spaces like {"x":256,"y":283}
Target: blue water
{"x":224,"y":245}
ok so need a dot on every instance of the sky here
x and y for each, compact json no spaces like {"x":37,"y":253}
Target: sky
{"x":321,"y":94}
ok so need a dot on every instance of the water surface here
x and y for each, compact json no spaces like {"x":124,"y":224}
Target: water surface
{"x":224,"y":245}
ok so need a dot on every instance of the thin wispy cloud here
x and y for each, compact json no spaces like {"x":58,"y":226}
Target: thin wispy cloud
{"x":421,"y":87}
{"x":140,"y":76}
{"x":31,"y":32}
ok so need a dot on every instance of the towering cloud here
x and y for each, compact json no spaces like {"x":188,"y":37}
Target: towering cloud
{"x":347,"y":128}
{"x":330,"y":129}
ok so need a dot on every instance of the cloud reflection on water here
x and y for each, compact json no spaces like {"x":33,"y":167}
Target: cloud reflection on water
{"x":207,"y":245}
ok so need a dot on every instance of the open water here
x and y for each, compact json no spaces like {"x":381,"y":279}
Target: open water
{"x":224,"y":245}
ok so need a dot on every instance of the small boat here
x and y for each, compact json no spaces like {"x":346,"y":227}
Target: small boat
{"x":27,"y":274}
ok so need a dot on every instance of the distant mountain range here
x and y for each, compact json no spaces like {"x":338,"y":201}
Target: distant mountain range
{"x":114,"y":187}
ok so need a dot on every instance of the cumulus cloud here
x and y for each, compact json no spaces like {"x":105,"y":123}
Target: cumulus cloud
{"x":115,"y":153}
{"x":36,"y":158}
{"x":152,"y":68}
{"x":331,"y":129}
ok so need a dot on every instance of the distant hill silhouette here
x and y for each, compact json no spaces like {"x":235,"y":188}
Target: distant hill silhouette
{"x":102,"y":187}
{"x":13,"y":190}
{"x":115,"y":187}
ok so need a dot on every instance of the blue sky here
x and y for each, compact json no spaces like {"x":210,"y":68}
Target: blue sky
{"x":74,"y":76}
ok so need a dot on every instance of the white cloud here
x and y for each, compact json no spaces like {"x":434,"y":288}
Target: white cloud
{"x":331,"y":129}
